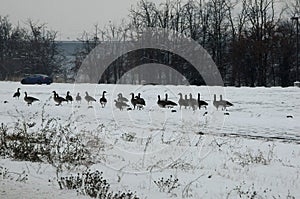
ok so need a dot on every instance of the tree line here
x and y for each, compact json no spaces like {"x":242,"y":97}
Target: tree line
{"x":253,"y":42}
{"x":27,"y":50}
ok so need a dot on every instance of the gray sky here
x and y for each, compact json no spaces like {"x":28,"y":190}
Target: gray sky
{"x":69,"y":17}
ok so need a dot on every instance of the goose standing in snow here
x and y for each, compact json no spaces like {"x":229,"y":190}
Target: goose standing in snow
{"x":215,"y":102}
{"x":193,"y":103}
{"x":120,"y":103}
{"x":181,"y":101}
{"x":140,"y":101}
{"x":58,"y":99}
{"x":89,"y":98}
{"x":201,"y":102}
{"x":186,"y":101}
{"x":29,"y":100}
{"x":69,"y":97}
{"x":103,"y":100}
{"x":133,"y":100}
{"x":78,"y":98}
{"x":161,"y":103}
{"x":169,"y":103}
{"x":225,"y":103}
{"x":17,"y":94}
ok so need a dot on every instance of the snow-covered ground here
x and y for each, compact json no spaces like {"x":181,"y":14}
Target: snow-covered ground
{"x":252,"y":150}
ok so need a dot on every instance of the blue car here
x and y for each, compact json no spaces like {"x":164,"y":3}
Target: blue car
{"x":37,"y":79}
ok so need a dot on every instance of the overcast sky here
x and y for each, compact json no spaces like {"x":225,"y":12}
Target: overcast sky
{"x":69,"y":17}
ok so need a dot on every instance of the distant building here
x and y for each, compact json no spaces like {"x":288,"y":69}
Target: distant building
{"x":68,"y":50}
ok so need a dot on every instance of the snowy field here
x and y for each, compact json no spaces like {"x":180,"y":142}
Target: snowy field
{"x":249,"y":151}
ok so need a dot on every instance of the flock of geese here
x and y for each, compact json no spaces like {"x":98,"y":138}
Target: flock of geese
{"x":137,"y":101}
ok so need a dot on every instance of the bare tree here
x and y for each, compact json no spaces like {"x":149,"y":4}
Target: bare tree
{"x":292,"y":7}
{"x":32,"y":50}
{"x":43,"y":54}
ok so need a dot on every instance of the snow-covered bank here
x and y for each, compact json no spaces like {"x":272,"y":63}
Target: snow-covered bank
{"x":254,"y":148}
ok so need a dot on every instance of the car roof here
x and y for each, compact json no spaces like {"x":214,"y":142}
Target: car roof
{"x":43,"y":75}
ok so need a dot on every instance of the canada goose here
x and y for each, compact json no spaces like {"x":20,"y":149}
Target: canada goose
{"x":58,"y":99}
{"x":225,"y":103}
{"x":29,"y":99}
{"x":89,"y":98}
{"x":120,"y":104}
{"x":193,"y":102}
{"x":201,"y":102}
{"x":17,"y":94}
{"x":133,"y":100}
{"x":69,"y":97}
{"x":161,"y":103}
{"x":78,"y":98}
{"x":186,"y":101}
{"x":140,"y":101}
{"x":121,"y":98}
{"x":215,"y":102}
{"x":169,"y":103}
{"x":103,"y":100}
{"x":181,"y":101}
